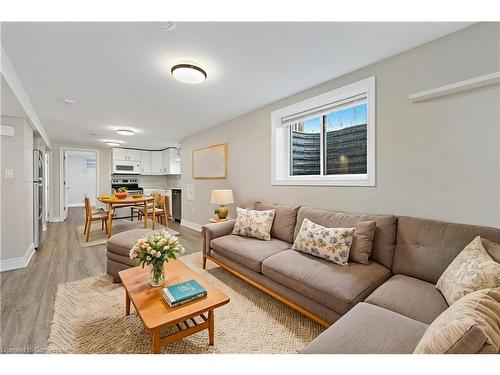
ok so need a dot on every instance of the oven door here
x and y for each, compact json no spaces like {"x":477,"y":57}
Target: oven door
{"x":126,"y":167}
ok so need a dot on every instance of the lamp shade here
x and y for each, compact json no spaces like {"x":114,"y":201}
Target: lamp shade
{"x":222,"y":197}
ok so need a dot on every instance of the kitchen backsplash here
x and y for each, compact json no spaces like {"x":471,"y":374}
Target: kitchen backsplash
{"x":157,"y":182}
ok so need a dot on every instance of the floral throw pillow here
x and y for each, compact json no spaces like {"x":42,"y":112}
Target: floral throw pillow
{"x":473,"y":269}
{"x":252,"y":223}
{"x":332,"y":244}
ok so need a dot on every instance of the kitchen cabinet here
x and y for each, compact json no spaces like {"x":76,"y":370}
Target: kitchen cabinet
{"x":156,"y":162}
{"x":126,"y":154}
{"x":170,"y":161}
{"x":146,"y":162}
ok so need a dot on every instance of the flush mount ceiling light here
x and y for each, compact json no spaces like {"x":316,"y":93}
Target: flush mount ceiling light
{"x":113,"y":144}
{"x":125,"y":132}
{"x":163,"y":26}
{"x":188,"y":73}
{"x":68,"y":101}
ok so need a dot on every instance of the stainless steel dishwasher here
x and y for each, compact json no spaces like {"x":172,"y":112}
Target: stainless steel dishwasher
{"x":176,"y":205}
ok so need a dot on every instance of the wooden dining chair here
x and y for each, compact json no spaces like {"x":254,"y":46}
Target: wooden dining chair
{"x":158,"y":210}
{"x":135,"y":209}
{"x":91,"y":216}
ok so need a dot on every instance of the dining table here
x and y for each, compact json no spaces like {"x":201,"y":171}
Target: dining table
{"x":128,"y":201}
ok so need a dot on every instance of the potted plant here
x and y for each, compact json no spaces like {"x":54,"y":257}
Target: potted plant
{"x":154,"y":250}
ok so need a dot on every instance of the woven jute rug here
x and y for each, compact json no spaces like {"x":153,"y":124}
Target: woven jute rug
{"x":89,"y":317}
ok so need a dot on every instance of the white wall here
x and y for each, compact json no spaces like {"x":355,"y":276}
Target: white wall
{"x":437,"y":159}
{"x":16,"y":194}
{"x":81,"y":178}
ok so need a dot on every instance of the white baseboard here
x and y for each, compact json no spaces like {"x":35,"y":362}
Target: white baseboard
{"x":75,"y":204}
{"x":191,"y":225}
{"x":19,"y":262}
{"x":55,"y":219}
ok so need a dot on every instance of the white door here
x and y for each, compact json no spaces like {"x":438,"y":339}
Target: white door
{"x":80,"y":178}
{"x":165,"y":162}
{"x":119,"y":154}
{"x":65,"y":186}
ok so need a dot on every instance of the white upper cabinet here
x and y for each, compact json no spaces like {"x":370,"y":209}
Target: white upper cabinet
{"x":126,"y":154}
{"x":146,"y":162}
{"x":156,"y":162}
{"x":171,"y":162}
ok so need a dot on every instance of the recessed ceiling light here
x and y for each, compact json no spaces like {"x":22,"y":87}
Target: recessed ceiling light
{"x":68,"y":101}
{"x":163,"y":26}
{"x":113,"y":144}
{"x":125,"y":132}
{"x":188,"y":73}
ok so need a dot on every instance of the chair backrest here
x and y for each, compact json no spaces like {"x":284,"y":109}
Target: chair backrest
{"x":88,"y":208}
{"x":166,"y":204}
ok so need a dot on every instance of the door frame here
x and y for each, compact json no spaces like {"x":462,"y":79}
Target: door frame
{"x":62,"y":153}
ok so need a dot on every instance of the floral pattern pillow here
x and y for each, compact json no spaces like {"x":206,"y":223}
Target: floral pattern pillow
{"x":473,"y":269}
{"x":332,"y":244}
{"x":252,"y":223}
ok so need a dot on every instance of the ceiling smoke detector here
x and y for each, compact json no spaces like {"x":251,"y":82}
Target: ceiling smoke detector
{"x":163,"y":26}
{"x":68,"y":101}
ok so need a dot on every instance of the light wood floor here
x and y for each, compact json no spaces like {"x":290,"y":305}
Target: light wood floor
{"x":27,"y":295}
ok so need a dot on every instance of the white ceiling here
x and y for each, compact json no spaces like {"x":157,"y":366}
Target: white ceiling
{"x":118,"y":73}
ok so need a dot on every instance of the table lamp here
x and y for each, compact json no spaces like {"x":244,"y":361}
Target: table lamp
{"x":222,"y":197}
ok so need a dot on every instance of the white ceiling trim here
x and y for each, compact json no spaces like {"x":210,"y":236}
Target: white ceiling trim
{"x":9,"y":73}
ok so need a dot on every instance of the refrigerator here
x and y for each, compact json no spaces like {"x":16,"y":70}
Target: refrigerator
{"x":38,"y":197}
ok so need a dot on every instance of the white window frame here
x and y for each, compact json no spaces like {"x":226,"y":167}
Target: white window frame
{"x":280,"y":139}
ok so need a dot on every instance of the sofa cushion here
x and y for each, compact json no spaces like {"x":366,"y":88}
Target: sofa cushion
{"x":414,"y":298}
{"x":284,"y":220}
{"x":247,"y":251}
{"x":332,"y":244}
{"x":384,"y":240}
{"x":426,"y":247}
{"x":122,"y":242}
{"x":252,"y":223}
{"x":362,"y":243}
{"x":334,"y":286}
{"x":471,"y":325}
{"x":473,"y":269}
{"x":369,"y":329}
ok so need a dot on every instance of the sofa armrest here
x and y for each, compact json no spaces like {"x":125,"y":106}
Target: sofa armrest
{"x":215,"y":230}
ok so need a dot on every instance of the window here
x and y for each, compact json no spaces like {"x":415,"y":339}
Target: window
{"x":327,"y":140}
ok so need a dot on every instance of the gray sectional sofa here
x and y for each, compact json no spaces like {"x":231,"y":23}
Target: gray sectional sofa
{"x":384,"y":306}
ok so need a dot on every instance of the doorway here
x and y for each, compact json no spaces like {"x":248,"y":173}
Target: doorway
{"x":79,"y":177}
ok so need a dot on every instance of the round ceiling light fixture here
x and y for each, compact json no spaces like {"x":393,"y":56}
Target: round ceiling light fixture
{"x":113,"y":144}
{"x":188,"y":73}
{"x":125,"y":132}
{"x":163,"y":26}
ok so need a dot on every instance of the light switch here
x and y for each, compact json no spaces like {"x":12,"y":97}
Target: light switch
{"x":190,"y":192}
{"x":9,"y":173}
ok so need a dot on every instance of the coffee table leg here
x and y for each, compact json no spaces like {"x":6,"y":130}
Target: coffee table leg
{"x":127,"y":304}
{"x":155,"y":337}
{"x":211,"y":327}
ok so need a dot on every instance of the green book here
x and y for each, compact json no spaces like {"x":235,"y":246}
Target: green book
{"x":183,"y":292}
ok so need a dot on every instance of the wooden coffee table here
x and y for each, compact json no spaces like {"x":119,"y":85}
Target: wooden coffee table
{"x":156,"y":314}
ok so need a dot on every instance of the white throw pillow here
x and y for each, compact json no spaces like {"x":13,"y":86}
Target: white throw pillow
{"x":252,"y":223}
{"x":332,"y":244}
{"x":473,"y":269}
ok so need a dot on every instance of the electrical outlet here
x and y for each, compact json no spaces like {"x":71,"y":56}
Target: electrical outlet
{"x":9,"y":173}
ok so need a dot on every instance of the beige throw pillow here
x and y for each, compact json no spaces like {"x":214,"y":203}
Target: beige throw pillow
{"x":473,"y":269}
{"x":332,"y":244}
{"x":362,"y":242}
{"x":251,"y":223}
{"x":471,"y":325}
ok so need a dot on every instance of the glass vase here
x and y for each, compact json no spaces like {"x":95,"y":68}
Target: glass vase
{"x":157,"y":274}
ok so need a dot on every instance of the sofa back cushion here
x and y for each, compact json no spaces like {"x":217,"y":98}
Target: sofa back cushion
{"x":425,"y":248}
{"x":285,"y":219}
{"x":384,"y":239}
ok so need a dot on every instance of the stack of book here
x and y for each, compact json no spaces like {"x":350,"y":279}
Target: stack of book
{"x":181,"y":293}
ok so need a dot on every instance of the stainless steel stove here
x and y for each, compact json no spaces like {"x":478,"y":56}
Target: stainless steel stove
{"x":132,"y":187}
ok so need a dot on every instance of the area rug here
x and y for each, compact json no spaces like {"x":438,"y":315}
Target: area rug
{"x":99,"y":237}
{"x":89,"y":317}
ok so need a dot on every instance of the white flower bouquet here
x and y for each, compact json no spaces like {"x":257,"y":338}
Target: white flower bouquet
{"x":154,"y":250}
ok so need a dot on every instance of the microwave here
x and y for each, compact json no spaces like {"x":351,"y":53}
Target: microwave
{"x":126,"y":167}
